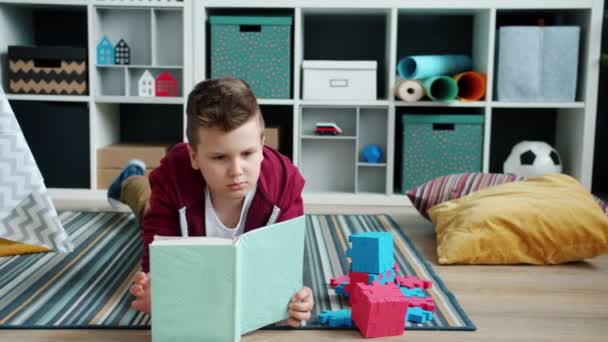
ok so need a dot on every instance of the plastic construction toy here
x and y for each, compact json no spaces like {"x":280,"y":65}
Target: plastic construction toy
{"x":371,"y":252}
{"x":340,"y":318}
{"x":418,"y":315}
{"x":379,"y":310}
{"x":327,"y":128}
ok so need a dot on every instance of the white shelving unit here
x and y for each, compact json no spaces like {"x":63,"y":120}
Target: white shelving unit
{"x":173,"y":36}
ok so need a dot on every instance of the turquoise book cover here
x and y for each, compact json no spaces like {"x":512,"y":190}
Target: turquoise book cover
{"x":213,"y":289}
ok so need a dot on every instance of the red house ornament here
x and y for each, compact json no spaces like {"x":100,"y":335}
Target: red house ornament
{"x":166,"y":85}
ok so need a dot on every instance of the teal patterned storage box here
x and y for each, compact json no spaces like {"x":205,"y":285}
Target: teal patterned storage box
{"x":255,"y":49}
{"x":438,"y":145}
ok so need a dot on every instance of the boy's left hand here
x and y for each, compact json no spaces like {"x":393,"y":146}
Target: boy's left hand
{"x":300,"y":307}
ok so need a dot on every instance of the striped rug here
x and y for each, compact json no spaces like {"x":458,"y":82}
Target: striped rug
{"x":88,"y":288}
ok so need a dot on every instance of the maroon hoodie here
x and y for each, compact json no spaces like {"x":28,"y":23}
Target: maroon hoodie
{"x":178,"y":195}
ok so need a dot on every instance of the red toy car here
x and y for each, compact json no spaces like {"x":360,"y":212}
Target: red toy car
{"x":327,"y":128}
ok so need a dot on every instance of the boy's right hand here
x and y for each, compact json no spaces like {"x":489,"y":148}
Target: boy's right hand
{"x":141,"y":290}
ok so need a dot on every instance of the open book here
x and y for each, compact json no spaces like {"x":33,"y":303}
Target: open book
{"x":214,"y":289}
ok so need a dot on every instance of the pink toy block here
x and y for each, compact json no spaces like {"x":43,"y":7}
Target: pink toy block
{"x":411,"y":282}
{"x":378,"y":310}
{"x":339,"y":280}
{"x":356,"y":277}
{"x":426,"y":303}
{"x":396,"y":267}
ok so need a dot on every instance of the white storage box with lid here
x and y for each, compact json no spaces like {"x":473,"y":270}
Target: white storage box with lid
{"x":339,"y":80}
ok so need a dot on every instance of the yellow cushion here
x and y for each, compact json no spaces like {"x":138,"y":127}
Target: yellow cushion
{"x":545,"y":220}
{"x":8,"y":247}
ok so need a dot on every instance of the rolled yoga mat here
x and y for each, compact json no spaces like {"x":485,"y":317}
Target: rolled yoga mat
{"x":471,"y":85}
{"x":409,"y":90}
{"x":419,"y":67}
{"x":441,"y":88}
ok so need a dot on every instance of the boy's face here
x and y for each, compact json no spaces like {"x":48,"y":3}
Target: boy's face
{"x":229,"y":161}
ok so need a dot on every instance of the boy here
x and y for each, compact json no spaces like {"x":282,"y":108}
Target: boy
{"x":223,"y":182}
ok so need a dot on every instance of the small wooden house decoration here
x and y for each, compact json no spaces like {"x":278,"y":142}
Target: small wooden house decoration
{"x":105,"y":51}
{"x":122,"y":53}
{"x":166,"y":85}
{"x":146,"y":84}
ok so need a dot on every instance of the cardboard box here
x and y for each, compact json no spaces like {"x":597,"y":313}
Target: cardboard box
{"x":116,"y":156}
{"x":106,"y":176}
{"x":272,"y":137}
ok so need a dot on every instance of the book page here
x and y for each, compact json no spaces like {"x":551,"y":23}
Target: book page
{"x":272,"y":260}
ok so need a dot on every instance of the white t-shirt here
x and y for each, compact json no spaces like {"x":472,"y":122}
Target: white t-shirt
{"x":215,"y":227}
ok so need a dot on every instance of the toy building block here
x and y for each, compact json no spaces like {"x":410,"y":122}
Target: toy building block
{"x":382,"y":278}
{"x":341,"y":291}
{"x":378,"y":310}
{"x":356,"y":277}
{"x":396,"y":267}
{"x":411,"y":282}
{"x":371,"y":252}
{"x":340,"y":318}
{"x":415,"y":292}
{"x":343,"y":279}
{"x":426,"y":303}
{"x":418,"y":315}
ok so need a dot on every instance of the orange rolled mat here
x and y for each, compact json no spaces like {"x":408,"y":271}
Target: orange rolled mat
{"x":471,"y":85}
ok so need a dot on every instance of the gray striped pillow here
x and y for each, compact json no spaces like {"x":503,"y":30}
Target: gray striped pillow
{"x":450,"y":187}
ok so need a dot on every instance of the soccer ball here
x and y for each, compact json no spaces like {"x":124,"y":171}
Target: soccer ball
{"x":531,"y":159}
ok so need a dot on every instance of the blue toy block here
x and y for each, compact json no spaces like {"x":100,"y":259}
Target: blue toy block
{"x":340,"y":291}
{"x":371,"y":252}
{"x":340,"y":318}
{"x":415,"y":292}
{"x":418,"y":315}
{"x":384,"y":279}
{"x":105,"y":51}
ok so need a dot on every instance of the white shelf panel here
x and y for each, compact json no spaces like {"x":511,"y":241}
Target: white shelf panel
{"x":137,"y":99}
{"x":56,"y":98}
{"x":324,"y":137}
{"x":139,"y":3}
{"x":344,"y":103}
{"x":418,"y":4}
{"x":497,"y":104}
{"x":456,"y":104}
{"x":139,"y":66}
{"x":276,"y":102}
{"x":47,"y":2}
{"x":361,"y":198}
{"x":361,"y":164}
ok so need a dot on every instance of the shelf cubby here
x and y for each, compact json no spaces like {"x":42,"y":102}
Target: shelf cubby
{"x":550,"y":17}
{"x":63,"y":159}
{"x":371,"y":179}
{"x":168,"y":37}
{"x":131,"y":24}
{"x":398,"y":133}
{"x":439,"y":32}
{"x":281,"y":117}
{"x":344,"y":117}
{"x":328,"y":165}
{"x":134,"y":73}
{"x":347,"y":35}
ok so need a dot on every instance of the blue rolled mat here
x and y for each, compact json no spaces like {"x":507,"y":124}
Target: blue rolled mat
{"x":440,"y":88}
{"x":419,"y":67}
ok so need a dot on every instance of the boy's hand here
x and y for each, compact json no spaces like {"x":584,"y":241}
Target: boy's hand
{"x":141,"y":290}
{"x":300,"y":306}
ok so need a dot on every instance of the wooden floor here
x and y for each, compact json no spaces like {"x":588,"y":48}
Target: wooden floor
{"x":509,"y":303}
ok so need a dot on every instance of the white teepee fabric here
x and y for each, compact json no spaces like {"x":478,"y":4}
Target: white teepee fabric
{"x":26,"y":212}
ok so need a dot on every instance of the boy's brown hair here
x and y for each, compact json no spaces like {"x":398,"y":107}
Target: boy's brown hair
{"x":225,"y":103}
